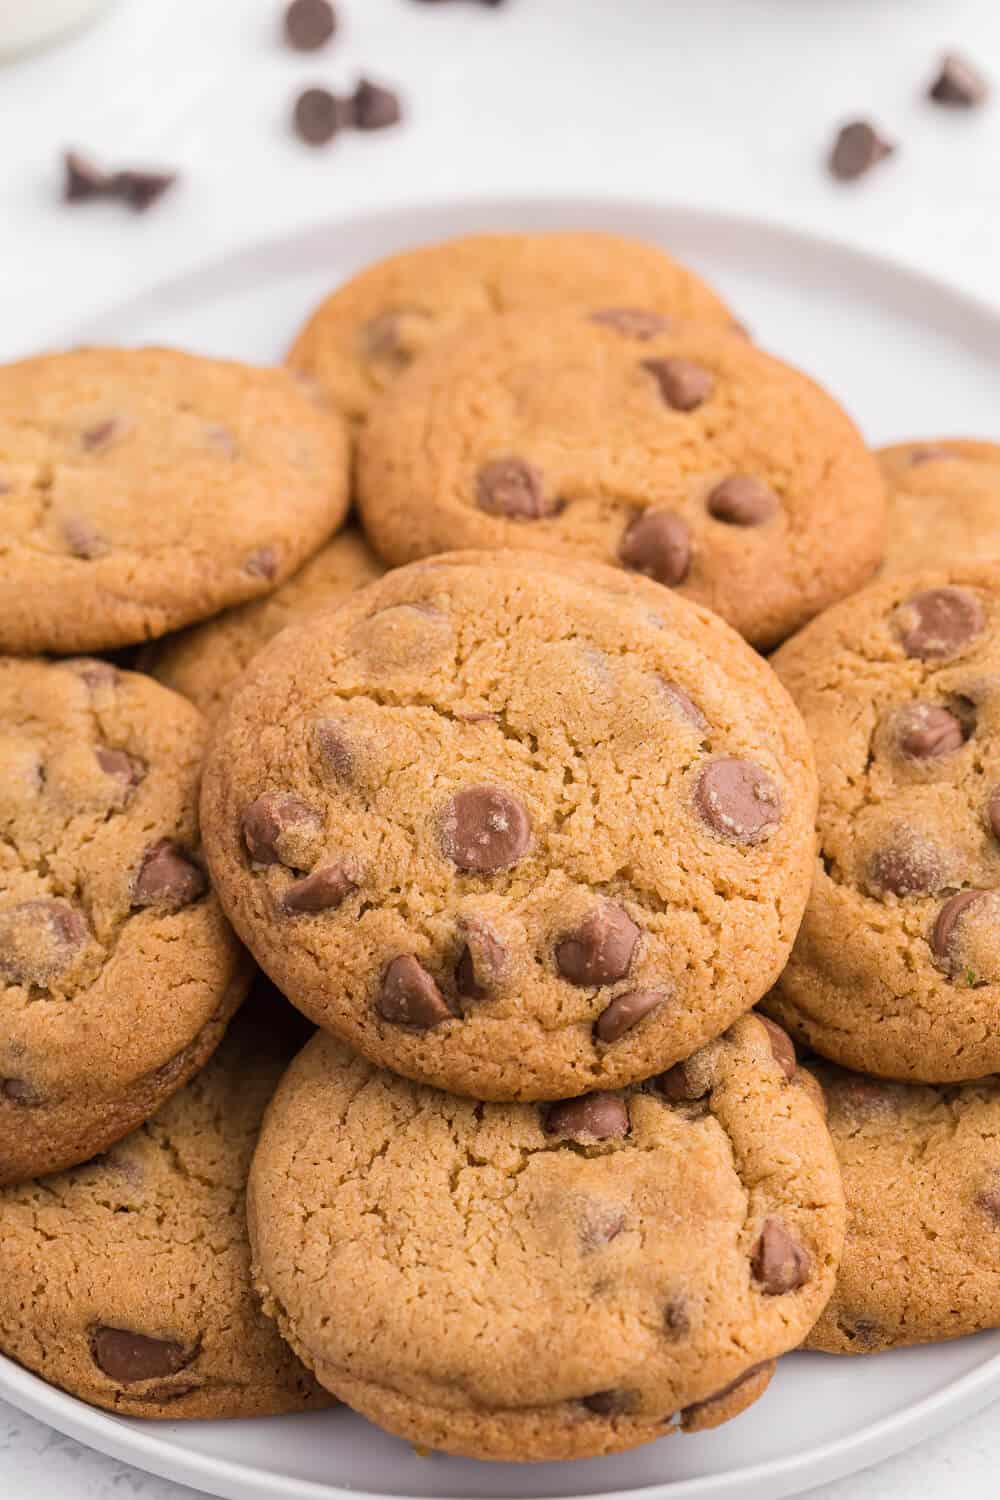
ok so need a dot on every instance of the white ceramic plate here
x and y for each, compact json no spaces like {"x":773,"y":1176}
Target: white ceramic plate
{"x":910,"y":358}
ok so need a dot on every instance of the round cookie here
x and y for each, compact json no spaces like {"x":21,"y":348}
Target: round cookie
{"x":896,"y":968}
{"x":679,"y":451}
{"x":921,"y":1170}
{"x":143,"y":489}
{"x":944,"y":502}
{"x":515,"y":1281}
{"x":127,"y":1279}
{"x":516,"y":827}
{"x":361,"y":337}
{"x":206,"y":661}
{"x":118,"y":971}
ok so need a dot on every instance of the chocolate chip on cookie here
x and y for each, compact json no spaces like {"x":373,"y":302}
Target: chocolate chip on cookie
{"x":485,"y":829}
{"x":633,"y":322}
{"x":684,"y":385}
{"x":168,"y":876}
{"x":939,"y":622}
{"x":944,"y":502}
{"x":738,"y":800}
{"x":742,"y":500}
{"x":780,"y":1264}
{"x":595,"y":1117}
{"x":408,"y":996}
{"x":515,"y":489}
{"x":278,"y":828}
{"x":657,"y":544}
{"x":625,"y":1012}
{"x":600,"y":949}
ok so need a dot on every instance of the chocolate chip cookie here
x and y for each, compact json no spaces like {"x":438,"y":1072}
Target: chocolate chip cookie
{"x":206,"y":661}
{"x":127,"y":1280}
{"x":921,"y":1169}
{"x":143,"y":489}
{"x":944,"y":502}
{"x":515,"y":1281}
{"x":363,"y":336}
{"x":680,"y":452}
{"x":514,"y":826}
{"x":896,"y":968}
{"x":118,"y":971}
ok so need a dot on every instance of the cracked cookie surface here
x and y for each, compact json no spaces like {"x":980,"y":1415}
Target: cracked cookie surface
{"x":524,"y":1281}
{"x":514,"y":826}
{"x":143,"y":489}
{"x":921,"y":1169}
{"x":205,"y":662}
{"x":127,"y":1279}
{"x":683,"y":453}
{"x":361,"y":338}
{"x":944,"y":502}
{"x":896,"y":968}
{"x":118,"y":971}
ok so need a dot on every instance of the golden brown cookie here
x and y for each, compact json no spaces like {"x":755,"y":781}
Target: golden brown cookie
{"x":514,"y":826}
{"x":143,"y":489}
{"x":118,"y":971}
{"x":206,"y":661}
{"x":944,"y":502}
{"x":522,"y":1282}
{"x":127,"y":1280}
{"x":896,"y":968}
{"x":370,"y":329}
{"x":679,"y":451}
{"x":921,"y":1169}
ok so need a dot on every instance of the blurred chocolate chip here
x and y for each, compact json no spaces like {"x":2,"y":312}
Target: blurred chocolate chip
{"x":945,"y":930}
{"x":83,"y":539}
{"x":19,"y":1092}
{"x":128,"y":1357}
{"x":938,"y":622}
{"x":610,"y":1403}
{"x":779,"y":1263}
{"x":263,"y":563}
{"x":39,"y":940}
{"x":599,"y":1225}
{"x":515,"y":489}
{"x":633,"y":322}
{"x":82,"y":179}
{"x":782,"y":1046}
{"x":168,"y":877}
{"x":323,"y":890}
{"x":958,"y":83}
{"x":681,"y":1085}
{"x":318,"y":115}
{"x":484,"y":829}
{"x":93,"y":439}
{"x":683,"y":384}
{"x":408,"y":996}
{"x":742,"y":500}
{"x":375,"y":107}
{"x":626,"y":1011}
{"x":275,"y":825}
{"x":738,"y":800}
{"x":600,"y":950}
{"x":125,"y":768}
{"x":595,"y":1117}
{"x":658,"y":544}
{"x":907,"y":866}
{"x":309,"y":24}
{"x":676,"y":1318}
{"x":684,"y":705}
{"x":140,"y":190}
{"x":927,"y":453}
{"x":857,"y":148}
{"x":988,"y":1199}
{"x":925,"y":731}
{"x":334,"y":750}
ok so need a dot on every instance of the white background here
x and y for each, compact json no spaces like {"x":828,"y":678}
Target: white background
{"x":721,"y":103}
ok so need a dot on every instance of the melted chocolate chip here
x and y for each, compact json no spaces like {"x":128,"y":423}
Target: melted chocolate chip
{"x":684,"y":705}
{"x":129,"y":1357}
{"x":657,"y":544}
{"x":484,"y":829}
{"x":408,"y":996}
{"x":102,"y":435}
{"x":782,"y":1046}
{"x":168,"y":877}
{"x":676,"y":1318}
{"x":779,"y":1263}
{"x":84,"y":540}
{"x":334,"y":750}
{"x":600,"y":950}
{"x":482,"y":963}
{"x":738,"y":800}
{"x":625,"y":1012}
{"x":514,"y":489}
{"x":275,"y":825}
{"x":926,"y":731}
{"x":908,"y":866}
{"x":683,"y":385}
{"x":742,"y":500}
{"x":680,"y":1086}
{"x":595,"y":1117}
{"x":938,"y":622}
{"x":323,"y":890}
{"x":39,"y":940}
{"x":263,"y":563}
{"x":610,"y":1403}
{"x":988,"y":1199}
{"x":125,"y":768}
{"x":633,"y":322}
{"x":944,"y":933}
{"x":19,"y":1092}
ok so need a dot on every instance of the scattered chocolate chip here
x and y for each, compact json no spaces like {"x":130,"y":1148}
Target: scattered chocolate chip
{"x":82,"y":179}
{"x":633,"y":322}
{"x":334,"y":751}
{"x":782,"y":1046}
{"x":683,"y":384}
{"x":484,"y":829}
{"x":263,"y":563}
{"x":318,"y":115}
{"x":658,"y":544}
{"x":600,"y":950}
{"x":19,"y":1092}
{"x":595,"y":1117}
{"x":83,"y":540}
{"x":738,"y":800}
{"x":680,"y":1085}
{"x":779,"y":1262}
{"x":168,"y":877}
{"x":938,"y":622}
{"x":514,"y":489}
{"x":676,"y":1318}
{"x":858,"y":147}
{"x":685,"y":705}
{"x":140,"y":190}
{"x":309,"y":24}
{"x":742,"y":500}
{"x":482,"y":962}
{"x":125,"y":768}
{"x":925,"y":731}
{"x":988,"y":1199}
{"x":323,"y":890}
{"x":375,"y":107}
{"x":408,"y":996}
{"x":610,"y":1403}
{"x":626,"y":1011}
{"x":275,"y":825}
{"x":130,"y":1357}
{"x":958,"y":83}
{"x":944,"y":932}
{"x":39,"y":940}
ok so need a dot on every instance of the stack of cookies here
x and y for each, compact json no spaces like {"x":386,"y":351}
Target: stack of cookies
{"x":495,"y":790}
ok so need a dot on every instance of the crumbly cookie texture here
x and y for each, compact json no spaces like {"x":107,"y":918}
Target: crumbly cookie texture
{"x":681,"y":452}
{"x":370,"y":329}
{"x":921,"y":1176}
{"x":519,"y":1281}
{"x":516,"y":827}
{"x":896,"y":968}
{"x":143,"y":489}
{"x":205,"y":662}
{"x":118,"y":971}
{"x":127,"y":1279}
{"x":944,"y":502}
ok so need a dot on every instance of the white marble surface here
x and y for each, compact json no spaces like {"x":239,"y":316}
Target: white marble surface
{"x":723,"y":103}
